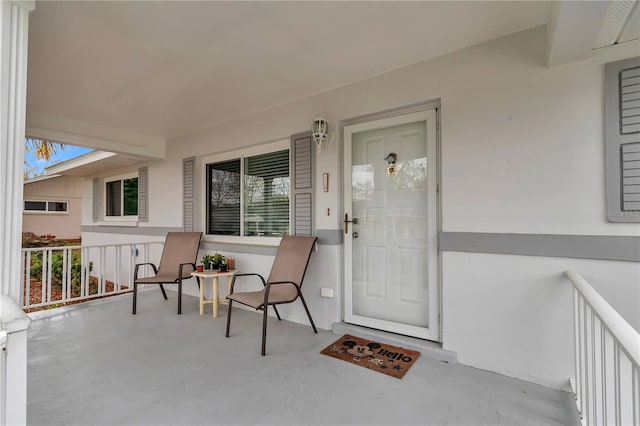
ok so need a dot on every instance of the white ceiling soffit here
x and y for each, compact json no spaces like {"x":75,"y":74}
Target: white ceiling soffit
{"x":621,"y":24}
{"x":92,"y":164}
{"x":165,"y":69}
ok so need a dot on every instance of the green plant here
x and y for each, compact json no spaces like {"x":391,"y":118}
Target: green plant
{"x":207,"y":260}
{"x":57,"y":269}
{"x":222,"y":264}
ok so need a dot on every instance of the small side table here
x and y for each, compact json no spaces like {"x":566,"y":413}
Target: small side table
{"x":214,"y":275}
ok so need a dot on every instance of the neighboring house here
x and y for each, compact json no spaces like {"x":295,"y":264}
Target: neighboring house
{"x":505,"y":162}
{"x":53,"y":206}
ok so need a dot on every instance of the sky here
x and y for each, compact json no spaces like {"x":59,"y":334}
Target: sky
{"x":36,"y":166}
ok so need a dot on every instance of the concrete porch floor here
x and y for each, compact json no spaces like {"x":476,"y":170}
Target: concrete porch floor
{"x":96,"y":364}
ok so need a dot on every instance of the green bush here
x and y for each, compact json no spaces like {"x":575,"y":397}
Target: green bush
{"x":57,"y":265}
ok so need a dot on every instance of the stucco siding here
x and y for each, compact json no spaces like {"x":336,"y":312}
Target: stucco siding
{"x":62,"y":225}
{"x":522,"y":152}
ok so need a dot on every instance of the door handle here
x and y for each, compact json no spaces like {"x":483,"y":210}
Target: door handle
{"x":347,"y":222}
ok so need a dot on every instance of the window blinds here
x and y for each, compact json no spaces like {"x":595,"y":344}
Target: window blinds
{"x":266,"y":194}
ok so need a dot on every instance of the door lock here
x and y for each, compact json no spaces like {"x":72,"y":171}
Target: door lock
{"x":347,"y":222}
{"x":355,"y":234}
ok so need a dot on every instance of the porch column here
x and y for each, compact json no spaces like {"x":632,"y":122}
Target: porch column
{"x":14,"y":30}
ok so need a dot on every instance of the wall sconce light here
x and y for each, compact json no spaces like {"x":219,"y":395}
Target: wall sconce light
{"x":321,"y":133}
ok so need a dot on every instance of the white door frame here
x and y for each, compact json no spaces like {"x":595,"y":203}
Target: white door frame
{"x":430,"y":117}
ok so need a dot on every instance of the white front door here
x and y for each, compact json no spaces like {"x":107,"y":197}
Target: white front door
{"x":391,"y":225}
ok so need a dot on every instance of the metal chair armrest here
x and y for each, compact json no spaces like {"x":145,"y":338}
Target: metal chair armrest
{"x":268,"y":287}
{"x":233,"y":281}
{"x":138,"y":265}
{"x":180,"y":268}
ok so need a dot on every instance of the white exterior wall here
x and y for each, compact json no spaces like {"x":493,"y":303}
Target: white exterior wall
{"x":514,"y":314}
{"x":522,"y":152}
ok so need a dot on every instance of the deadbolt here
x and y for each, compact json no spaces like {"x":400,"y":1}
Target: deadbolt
{"x":355,"y":234}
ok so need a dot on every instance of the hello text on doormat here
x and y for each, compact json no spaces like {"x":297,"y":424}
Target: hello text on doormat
{"x":386,"y":359}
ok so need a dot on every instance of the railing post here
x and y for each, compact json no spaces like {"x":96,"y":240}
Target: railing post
{"x":117,"y":267}
{"x":65,"y":265}
{"x":21,"y":295}
{"x":86,"y":271}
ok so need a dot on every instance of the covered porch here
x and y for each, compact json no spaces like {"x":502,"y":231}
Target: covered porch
{"x":98,"y":364}
{"x":512,"y":97}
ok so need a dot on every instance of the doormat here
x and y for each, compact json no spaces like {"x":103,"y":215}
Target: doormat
{"x":387,"y":359}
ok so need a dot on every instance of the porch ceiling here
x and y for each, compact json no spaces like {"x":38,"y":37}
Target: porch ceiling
{"x":165,"y":69}
{"x":161,"y":69}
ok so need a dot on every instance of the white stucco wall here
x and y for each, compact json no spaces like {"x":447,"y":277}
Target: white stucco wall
{"x":513,"y":314}
{"x":522,"y":152}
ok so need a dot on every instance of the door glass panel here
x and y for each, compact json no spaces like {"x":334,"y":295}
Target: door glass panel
{"x":389,"y":249}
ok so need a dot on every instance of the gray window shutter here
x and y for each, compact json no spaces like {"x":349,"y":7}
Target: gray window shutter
{"x":143,"y":194}
{"x":188,"y":194}
{"x":622,"y":140}
{"x":96,"y":199}
{"x":302,"y":185}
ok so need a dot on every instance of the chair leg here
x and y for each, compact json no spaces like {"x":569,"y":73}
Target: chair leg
{"x":308,"y":314}
{"x":264,"y":331}
{"x":135,"y":296}
{"x":277,"y":313}
{"x":164,"y":293}
{"x":228,"y":317}
{"x":179,"y":297}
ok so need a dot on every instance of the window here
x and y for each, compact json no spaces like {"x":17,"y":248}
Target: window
{"x":42,"y":206}
{"x":121,"y":197}
{"x":248,"y":194}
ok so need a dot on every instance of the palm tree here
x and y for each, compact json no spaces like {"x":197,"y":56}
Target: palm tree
{"x":43,"y":150}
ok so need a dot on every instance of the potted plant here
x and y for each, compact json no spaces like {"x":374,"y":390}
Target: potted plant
{"x":217,"y":258}
{"x":207,"y":260}
{"x":222,"y":264}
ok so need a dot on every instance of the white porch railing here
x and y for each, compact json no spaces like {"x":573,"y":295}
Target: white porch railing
{"x":58,"y":275}
{"x":607,"y":360}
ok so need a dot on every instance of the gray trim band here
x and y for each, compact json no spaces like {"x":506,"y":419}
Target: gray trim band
{"x":330,"y":237}
{"x":325,"y":237}
{"x":603,"y":247}
{"x":131,"y":230}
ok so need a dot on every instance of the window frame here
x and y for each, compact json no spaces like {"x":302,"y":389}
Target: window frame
{"x":46,"y":207}
{"x":241,"y":154}
{"x":121,"y":177}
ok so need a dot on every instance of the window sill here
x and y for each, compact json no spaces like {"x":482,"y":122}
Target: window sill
{"x":44,"y":212}
{"x":131,"y":223}
{"x":247,"y":241}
